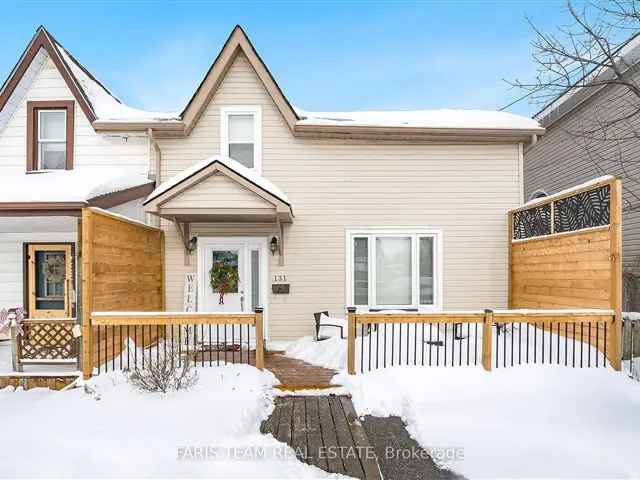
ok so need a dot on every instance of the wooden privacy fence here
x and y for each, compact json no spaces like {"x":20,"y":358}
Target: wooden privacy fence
{"x":122,"y":270}
{"x":491,"y":338}
{"x":565,"y":253}
{"x":136,"y":339}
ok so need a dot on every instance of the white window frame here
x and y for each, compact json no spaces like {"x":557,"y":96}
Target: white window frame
{"x":254,"y":110}
{"x":412,"y":232}
{"x":50,"y":140}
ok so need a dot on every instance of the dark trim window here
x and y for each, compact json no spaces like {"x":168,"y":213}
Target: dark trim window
{"x":50,"y":135}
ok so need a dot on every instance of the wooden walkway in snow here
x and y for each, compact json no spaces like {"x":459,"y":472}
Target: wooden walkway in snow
{"x":324,"y":431}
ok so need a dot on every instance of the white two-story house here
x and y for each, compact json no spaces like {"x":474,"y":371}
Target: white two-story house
{"x":302,"y":211}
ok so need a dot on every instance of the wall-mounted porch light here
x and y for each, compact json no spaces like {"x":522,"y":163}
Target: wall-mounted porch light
{"x":273,"y":245}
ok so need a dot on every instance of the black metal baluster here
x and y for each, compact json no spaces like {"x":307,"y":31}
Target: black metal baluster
{"x":589,"y":352}
{"x":581,"y":342}
{"x":173,"y":346}
{"x":408,"y":333}
{"x":361,"y":347}
{"x":475,"y":348}
{"x":128,"y":342}
{"x":566,"y":343}
{"x":430,"y":341}
{"x":631,"y":350}
{"x":393,"y":342}
{"x":497,"y":342}
{"x":527,"y":342}
{"x":444,"y":360}
{"x":512,"y":344}
{"x":157,"y":345}
{"x":504,"y":345}
{"x":210,"y":359}
{"x":519,"y":344}
{"x":542,"y":343}
{"x":385,"y":345}
{"x":604,"y":360}
{"x":535,"y":344}
{"x":113,"y":347}
{"x":400,"y":344}
{"x":218,"y":344}
{"x":550,"y":342}
{"x":377,"y":344}
{"x":186,"y":334}
{"x":99,"y":361}
{"x":135,"y":341}
{"x":370,"y":335}
{"x":225,"y":343}
{"x":573,"y":347}
{"x":202,"y":344}
{"x":558,"y":346}
{"x":438,"y":344}
{"x":597,"y":350}
{"x":422,"y":344}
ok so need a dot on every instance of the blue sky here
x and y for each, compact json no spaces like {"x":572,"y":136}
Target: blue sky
{"x":325,"y":55}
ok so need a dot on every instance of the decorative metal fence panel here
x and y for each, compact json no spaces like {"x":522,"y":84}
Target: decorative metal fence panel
{"x":583,"y":210}
{"x":565,"y":213}
{"x":533,"y":222}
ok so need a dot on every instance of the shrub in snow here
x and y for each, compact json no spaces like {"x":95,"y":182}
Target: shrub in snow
{"x":165,"y":372}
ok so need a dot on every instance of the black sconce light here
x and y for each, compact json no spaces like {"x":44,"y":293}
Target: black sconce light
{"x":273,"y":245}
{"x":192,"y":243}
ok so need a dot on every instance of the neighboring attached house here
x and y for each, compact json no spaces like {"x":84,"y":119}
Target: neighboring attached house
{"x":310,"y":211}
{"x":566,"y":157}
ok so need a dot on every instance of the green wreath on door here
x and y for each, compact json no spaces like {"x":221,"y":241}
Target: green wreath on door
{"x":223,"y":277}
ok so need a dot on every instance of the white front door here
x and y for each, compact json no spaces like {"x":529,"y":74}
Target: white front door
{"x":231,"y":273}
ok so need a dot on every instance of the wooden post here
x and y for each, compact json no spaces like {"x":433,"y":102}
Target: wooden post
{"x":259,"y":338}
{"x":509,"y":259}
{"x":351,"y":340}
{"x":15,"y":347}
{"x":487,"y":327}
{"x":87,"y":292}
{"x":615,"y":336}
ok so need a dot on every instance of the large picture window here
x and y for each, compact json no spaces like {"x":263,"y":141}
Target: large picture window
{"x":394,"y":269}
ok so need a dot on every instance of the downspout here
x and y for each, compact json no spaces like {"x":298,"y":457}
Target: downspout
{"x":153,"y":219}
{"x":158,"y":156}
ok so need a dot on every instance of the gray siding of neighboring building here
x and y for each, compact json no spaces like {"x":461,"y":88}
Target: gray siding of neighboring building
{"x":561,"y":159}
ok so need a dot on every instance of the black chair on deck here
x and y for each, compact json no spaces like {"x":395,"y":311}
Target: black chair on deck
{"x":317,"y":317}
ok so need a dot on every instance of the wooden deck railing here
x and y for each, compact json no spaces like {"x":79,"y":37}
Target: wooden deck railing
{"x":125,"y":340}
{"x":491,"y":338}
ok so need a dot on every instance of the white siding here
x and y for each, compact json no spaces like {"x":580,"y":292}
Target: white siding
{"x":218,"y":191}
{"x":28,"y":230}
{"x":90,"y":149}
{"x":464,"y":190}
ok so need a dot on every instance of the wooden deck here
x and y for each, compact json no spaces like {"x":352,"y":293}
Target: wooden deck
{"x":324,"y":431}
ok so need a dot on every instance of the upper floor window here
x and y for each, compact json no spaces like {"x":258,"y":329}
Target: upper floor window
{"x":50,"y":135}
{"x":241,"y":135}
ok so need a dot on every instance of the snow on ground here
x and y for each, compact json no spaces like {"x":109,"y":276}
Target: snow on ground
{"x":579,"y":422}
{"x":538,"y":421}
{"x":127,"y":433}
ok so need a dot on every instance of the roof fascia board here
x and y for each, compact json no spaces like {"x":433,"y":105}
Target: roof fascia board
{"x":42,"y":40}
{"x":236,"y":43}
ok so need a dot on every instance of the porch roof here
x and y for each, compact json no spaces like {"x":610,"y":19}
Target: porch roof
{"x":66,"y":192}
{"x":219,"y":189}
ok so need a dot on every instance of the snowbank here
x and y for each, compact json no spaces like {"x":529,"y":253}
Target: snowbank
{"x":530,"y":422}
{"x":127,"y":433}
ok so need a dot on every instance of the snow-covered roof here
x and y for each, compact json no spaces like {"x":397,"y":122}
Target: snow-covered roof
{"x":248,"y":174}
{"x":443,"y":118}
{"x":79,"y":185}
{"x":106,"y":105}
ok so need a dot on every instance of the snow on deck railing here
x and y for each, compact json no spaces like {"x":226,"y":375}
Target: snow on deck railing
{"x":575,"y":338}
